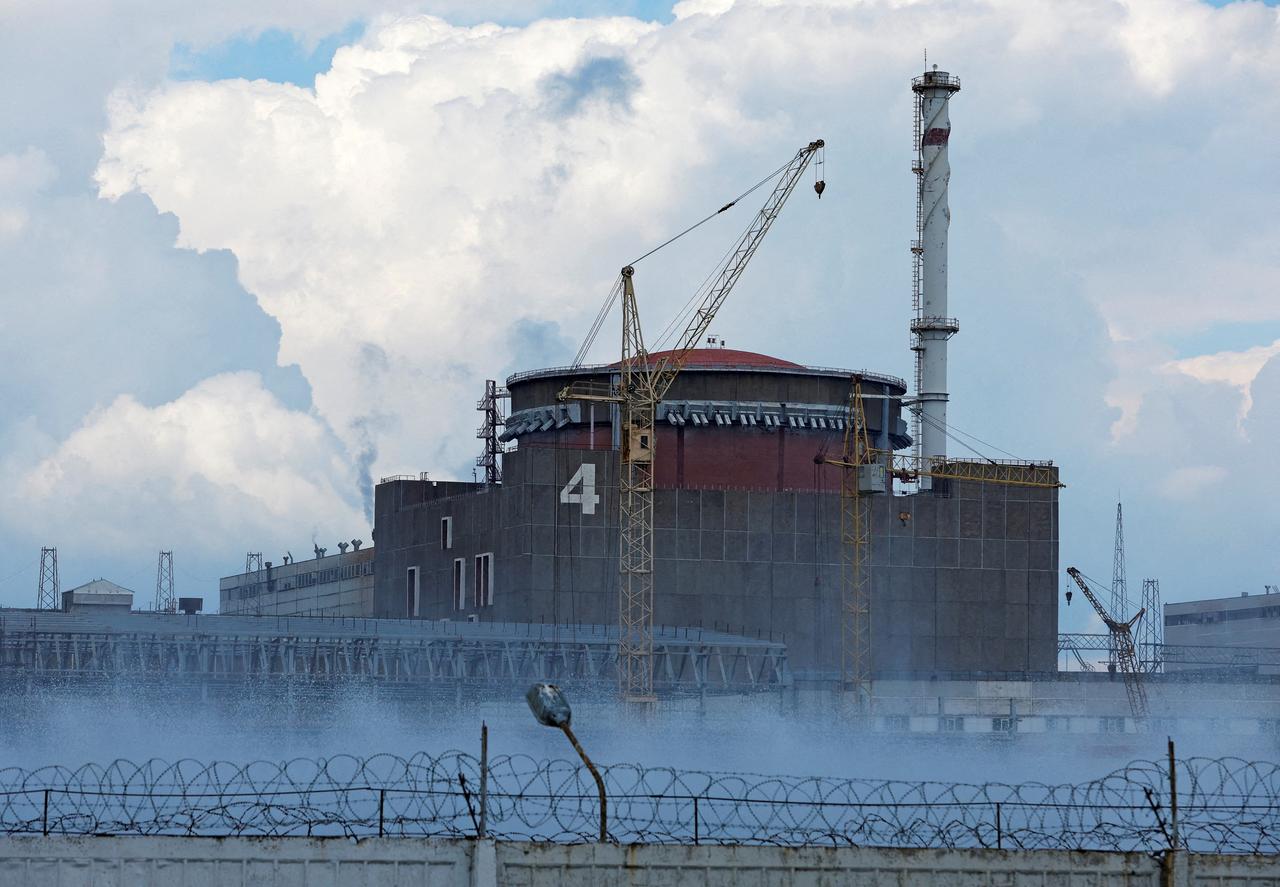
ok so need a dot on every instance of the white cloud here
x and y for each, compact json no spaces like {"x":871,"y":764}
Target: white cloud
{"x":444,"y":183}
{"x":222,"y":467}
{"x":1235,"y":368}
{"x":1188,"y":483}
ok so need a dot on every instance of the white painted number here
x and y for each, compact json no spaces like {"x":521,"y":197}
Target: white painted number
{"x":586,"y":476}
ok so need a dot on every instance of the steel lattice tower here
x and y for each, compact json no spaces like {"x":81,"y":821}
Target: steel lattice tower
{"x":165,"y":601}
{"x":490,"y":459}
{"x":1119,"y":574}
{"x":47,"y":594}
{"x":1151,"y":628}
{"x":1119,"y":578}
{"x":253,"y":564}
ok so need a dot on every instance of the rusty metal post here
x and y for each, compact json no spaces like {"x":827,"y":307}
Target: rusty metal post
{"x":695,"y":820}
{"x":999,"y":833}
{"x":604,"y":817}
{"x":382,"y":801}
{"x":45,"y":819}
{"x":483,"y":830}
{"x":1173,"y":797}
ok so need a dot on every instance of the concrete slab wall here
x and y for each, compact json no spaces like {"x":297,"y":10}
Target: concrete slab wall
{"x":275,"y":862}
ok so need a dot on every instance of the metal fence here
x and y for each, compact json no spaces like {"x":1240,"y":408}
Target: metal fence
{"x":1223,"y":805}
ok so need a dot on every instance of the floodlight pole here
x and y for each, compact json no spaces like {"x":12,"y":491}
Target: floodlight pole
{"x":604,"y":816}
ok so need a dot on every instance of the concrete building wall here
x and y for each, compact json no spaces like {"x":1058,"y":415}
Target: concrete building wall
{"x":1251,"y":620}
{"x":58,"y":861}
{"x":963,"y":578}
{"x":335,"y":585}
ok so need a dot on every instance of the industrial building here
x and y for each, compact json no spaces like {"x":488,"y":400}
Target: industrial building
{"x":747,"y":529}
{"x":326,"y":585}
{"x":1240,"y":633}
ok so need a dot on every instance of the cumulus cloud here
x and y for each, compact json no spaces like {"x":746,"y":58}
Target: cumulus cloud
{"x":223,"y":466}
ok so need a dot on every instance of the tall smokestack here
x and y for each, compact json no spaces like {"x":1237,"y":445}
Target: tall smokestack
{"x":932,"y":325}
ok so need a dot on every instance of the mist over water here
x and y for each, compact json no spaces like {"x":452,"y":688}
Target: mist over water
{"x":765,"y":734}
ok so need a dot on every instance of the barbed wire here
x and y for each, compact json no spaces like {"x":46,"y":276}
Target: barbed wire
{"x":1225,"y":805}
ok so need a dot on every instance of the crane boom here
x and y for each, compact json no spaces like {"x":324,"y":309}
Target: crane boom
{"x":1126,"y":655}
{"x":668,"y":365}
{"x":642,"y":383}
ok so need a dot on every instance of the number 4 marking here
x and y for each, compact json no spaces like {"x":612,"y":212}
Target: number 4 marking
{"x":586,"y":477}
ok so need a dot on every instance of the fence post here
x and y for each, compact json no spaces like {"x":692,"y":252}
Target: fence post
{"x":695,"y":820}
{"x":484,"y":780}
{"x":1173,"y":796}
{"x":45,"y":827}
{"x":382,"y":801}
{"x":999,"y":833}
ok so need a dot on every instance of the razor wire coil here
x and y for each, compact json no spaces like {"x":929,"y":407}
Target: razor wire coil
{"x":1225,"y":805}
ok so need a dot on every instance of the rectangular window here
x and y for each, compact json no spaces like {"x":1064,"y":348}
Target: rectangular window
{"x":896,"y":724}
{"x":1112,"y":725}
{"x":411,"y":593}
{"x":484,"y":580}
{"x":446,"y":533}
{"x":1002,"y":725}
{"x":459,"y":584}
{"x":951,"y":724}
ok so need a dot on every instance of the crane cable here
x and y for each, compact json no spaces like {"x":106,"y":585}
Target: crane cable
{"x":612,"y":297}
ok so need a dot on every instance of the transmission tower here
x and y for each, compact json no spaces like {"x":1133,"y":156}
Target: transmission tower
{"x":1119,"y":576}
{"x":47,"y":595}
{"x":490,"y":459}
{"x":1151,"y":628}
{"x":165,"y":601}
{"x":253,"y":564}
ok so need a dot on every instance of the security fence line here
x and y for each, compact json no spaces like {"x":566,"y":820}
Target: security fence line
{"x":1223,"y":805}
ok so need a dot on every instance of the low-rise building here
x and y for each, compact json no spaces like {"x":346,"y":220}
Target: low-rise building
{"x":1248,"y":622}
{"x":335,"y":585}
{"x":95,"y":596}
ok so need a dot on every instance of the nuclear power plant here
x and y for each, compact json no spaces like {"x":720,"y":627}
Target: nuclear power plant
{"x":692,"y":518}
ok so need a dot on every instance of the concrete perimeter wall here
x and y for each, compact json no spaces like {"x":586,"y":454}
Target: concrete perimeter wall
{"x":276,"y":862}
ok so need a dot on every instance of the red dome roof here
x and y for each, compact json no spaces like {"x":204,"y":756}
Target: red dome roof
{"x":730,"y":357}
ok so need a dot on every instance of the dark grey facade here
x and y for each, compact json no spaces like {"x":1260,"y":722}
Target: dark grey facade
{"x":963,"y":577}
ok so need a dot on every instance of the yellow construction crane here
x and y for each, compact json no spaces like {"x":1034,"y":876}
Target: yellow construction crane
{"x":864,"y":472}
{"x":642,"y":383}
{"x":1122,"y":643}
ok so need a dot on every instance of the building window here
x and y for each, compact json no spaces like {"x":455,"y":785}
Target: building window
{"x":951,"y":724}
{"x":484,"y":580}
{"x":1057,"y":723}
{"x":446,"y":533}
{"x":1112,"y":725}
{"x":459,"y":584}
{"x":1002,"y":725}
{"x":896,"y":724}
{"x":411,"y":592}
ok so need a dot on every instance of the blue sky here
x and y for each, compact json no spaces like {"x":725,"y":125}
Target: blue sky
{"x":283,"y":57}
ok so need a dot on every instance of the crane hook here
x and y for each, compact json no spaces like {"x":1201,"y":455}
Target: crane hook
{"x":819,"y":186}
